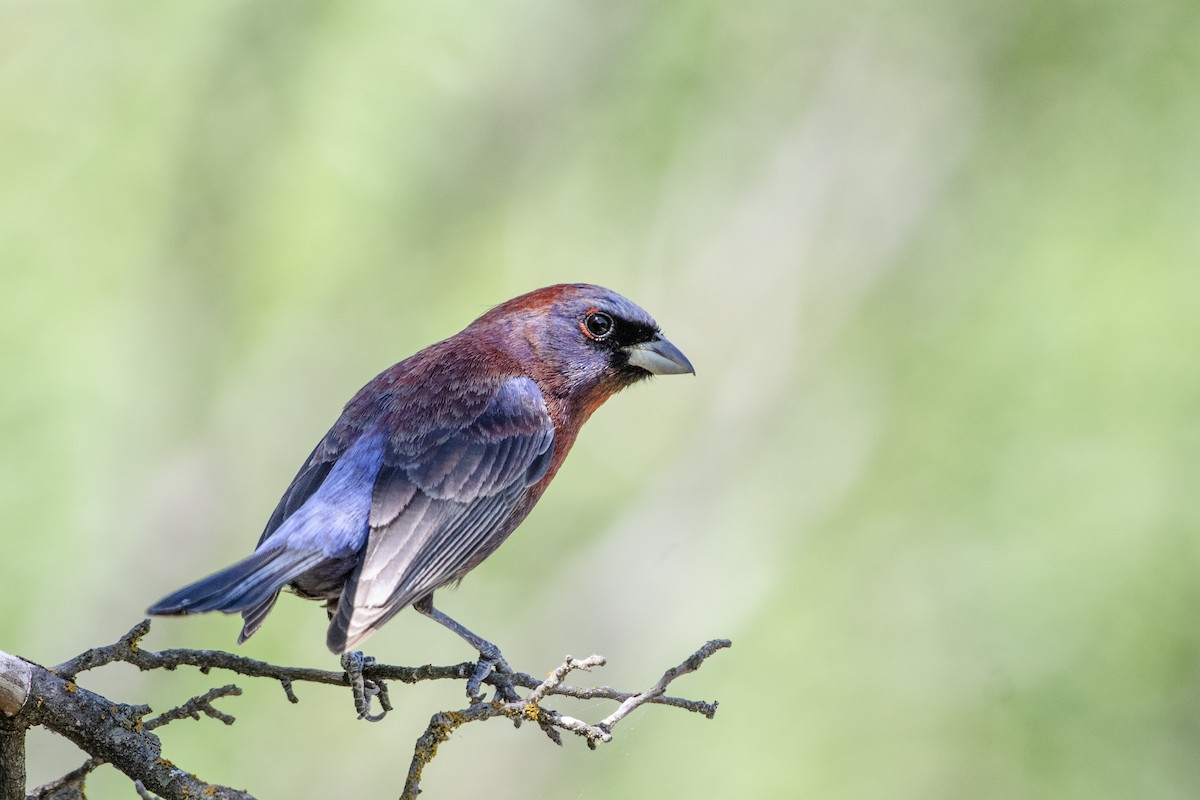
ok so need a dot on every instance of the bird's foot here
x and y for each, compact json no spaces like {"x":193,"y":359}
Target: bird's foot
{"x":363,"y":688}
{"x":491,"y":661}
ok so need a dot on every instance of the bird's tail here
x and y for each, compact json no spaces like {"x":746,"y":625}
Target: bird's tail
{"x":250,"y":585}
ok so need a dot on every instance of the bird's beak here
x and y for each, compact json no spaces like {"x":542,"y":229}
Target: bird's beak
{"x":659,"y":357}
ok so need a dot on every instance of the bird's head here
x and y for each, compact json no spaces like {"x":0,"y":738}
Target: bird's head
{"x":588,"y":341}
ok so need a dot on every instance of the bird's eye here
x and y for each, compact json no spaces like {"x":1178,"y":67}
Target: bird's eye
{"x":598,"y":325}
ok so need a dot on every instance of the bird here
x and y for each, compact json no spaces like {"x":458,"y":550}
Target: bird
{"x":434,"y":463}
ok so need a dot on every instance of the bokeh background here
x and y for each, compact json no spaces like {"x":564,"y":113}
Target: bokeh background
{"x":936,"y":264}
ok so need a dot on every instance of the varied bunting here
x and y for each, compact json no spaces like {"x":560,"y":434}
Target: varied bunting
{"x":436,"y":461}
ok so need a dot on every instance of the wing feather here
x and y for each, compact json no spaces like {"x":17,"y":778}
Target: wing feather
{"x":438,"y":513}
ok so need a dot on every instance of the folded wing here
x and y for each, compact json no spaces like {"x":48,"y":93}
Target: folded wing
{"x":440,"y":508}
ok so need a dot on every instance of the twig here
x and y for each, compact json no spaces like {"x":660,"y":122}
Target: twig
{"x":142,"y":793}
{"x":559,"y":674}
{"x":692,"y":664}
{"x":444,"y":723}
{"x":69,"y":785}
{"x":195,"y":707}
{"x":128,"y":650}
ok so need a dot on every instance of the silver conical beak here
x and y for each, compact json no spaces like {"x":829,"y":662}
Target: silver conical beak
{"x":659,"y":357}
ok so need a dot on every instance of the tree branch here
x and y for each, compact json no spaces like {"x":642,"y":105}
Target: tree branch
{"x":121,"y":734}
{"x":442,"y":724}
{"x":12,"y":760}
{"x":108,"y":731}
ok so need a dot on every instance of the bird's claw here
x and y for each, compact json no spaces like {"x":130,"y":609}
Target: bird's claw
{"x":491,"y":661}
{"x":363,"y":688}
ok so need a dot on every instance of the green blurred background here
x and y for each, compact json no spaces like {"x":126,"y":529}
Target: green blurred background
{"x":938,"y":267}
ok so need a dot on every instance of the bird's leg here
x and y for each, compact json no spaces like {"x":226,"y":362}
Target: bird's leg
{"x":363,"y":689}
{"x":490,"y":659}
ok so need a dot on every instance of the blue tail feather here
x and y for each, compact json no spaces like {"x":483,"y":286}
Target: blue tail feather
{"x":249,"y":583}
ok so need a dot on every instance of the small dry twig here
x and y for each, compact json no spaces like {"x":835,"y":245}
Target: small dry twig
{"x":444,"y":723}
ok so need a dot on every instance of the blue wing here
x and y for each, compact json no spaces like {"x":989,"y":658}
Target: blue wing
{"x":439,"y":509}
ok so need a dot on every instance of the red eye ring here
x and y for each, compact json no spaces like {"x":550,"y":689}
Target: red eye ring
{"x":597,"y":325}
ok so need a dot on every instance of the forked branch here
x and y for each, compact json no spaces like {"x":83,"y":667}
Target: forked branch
{"x":122,"y":735}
